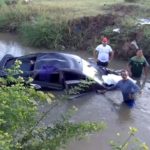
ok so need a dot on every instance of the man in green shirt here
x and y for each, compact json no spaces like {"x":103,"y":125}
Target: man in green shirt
{"x":137,"y":65}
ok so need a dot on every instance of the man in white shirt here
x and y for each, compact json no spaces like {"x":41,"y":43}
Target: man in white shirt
{"x":103,"y":53}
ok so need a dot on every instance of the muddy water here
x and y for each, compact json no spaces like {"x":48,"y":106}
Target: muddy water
{"x":94,"y":107}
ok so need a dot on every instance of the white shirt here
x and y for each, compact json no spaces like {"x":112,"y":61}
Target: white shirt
{"x":103,"y":52}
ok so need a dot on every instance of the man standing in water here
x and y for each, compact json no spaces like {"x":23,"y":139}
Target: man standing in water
{"x":137,"y":65}
{"x":103,"y":53}
{"x":127,"y":87}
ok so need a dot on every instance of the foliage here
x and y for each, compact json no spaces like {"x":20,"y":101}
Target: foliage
{"x":20,"y":118}
{"x":5,"y":141}
{"x":128,"y":22}
{"x":18,"y":107}
{"x":140,"y":34}
{"x":83,"y":86}
{"x":145,"y":40}
{"x":128,"y":34}
{"x":12,"y":17}
{"x":130,"y":142}
{"x":43,"y":33}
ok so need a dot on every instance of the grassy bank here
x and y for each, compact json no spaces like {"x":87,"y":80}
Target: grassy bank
{"x":45,"y":23}
{"x":55,"y":9}
{"x":69,"y":24}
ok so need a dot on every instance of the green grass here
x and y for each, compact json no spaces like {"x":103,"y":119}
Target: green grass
{"x":62,"y":9}
{"x":55,"y":11}
{"x":75,"y":8}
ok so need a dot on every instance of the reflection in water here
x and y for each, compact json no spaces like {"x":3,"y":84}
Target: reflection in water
{"x":10,"y":48}
{"x":124,"y":114}
{"x":93,"y":107}
{"x":9,"y":44}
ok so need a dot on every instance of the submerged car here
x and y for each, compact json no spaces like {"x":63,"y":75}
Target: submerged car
{"x":55,"y":71}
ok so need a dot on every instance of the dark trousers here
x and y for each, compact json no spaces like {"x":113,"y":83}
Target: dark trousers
{"x":103,"y":64}
{"x":130,"y":102}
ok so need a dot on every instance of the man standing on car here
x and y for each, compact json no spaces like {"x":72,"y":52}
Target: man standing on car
{"x":103,"y":53}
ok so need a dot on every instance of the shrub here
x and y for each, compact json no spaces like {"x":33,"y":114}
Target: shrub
{"x":42,"y":33}
{"x":145,"y":40}
{"x":131,"y":142}
{"x":12,"y":17}
{"x":19,"y":118}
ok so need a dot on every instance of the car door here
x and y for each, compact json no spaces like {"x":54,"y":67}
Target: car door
{"x":48,"y":80}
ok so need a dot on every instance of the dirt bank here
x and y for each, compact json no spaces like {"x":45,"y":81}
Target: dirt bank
{"x":87,"y":30}
{"x":85,"y":33}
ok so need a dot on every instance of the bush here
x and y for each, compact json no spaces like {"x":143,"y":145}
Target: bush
{"x":20,"y":119}
{"x":131,"y":142}
{"x":145,"y":40}
{"x":12,"y":17}
{"x":42,"y":33}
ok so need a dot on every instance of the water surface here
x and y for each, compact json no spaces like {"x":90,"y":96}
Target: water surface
{"x":94,"y":107}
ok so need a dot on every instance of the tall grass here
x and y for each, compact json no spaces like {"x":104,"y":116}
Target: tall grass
{"x":42,"y":33}
{"x":62,"y":9}
{"x":55,"y":10}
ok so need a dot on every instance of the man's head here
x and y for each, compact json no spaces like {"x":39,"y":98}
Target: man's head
{"x":124,"y":74}
{"x":139,"y":53}
{"x":104,"y":41}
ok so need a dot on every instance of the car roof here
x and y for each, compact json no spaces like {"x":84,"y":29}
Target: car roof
{"x":61,"y":61}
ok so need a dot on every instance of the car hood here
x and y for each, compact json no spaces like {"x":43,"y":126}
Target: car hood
{"x":91,"y":72}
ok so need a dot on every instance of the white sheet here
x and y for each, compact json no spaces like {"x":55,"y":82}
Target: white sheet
{"x":113,"y":79}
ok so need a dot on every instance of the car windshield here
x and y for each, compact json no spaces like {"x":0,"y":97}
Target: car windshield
{"x":47,"y":64}
{"x":60,"y":61}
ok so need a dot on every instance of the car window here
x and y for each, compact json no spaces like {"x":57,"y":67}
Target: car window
{"x":47,"y":77}
{"x":73,"y":76}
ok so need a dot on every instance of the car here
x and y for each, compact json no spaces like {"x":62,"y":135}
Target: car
{"x":56,"y":71}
